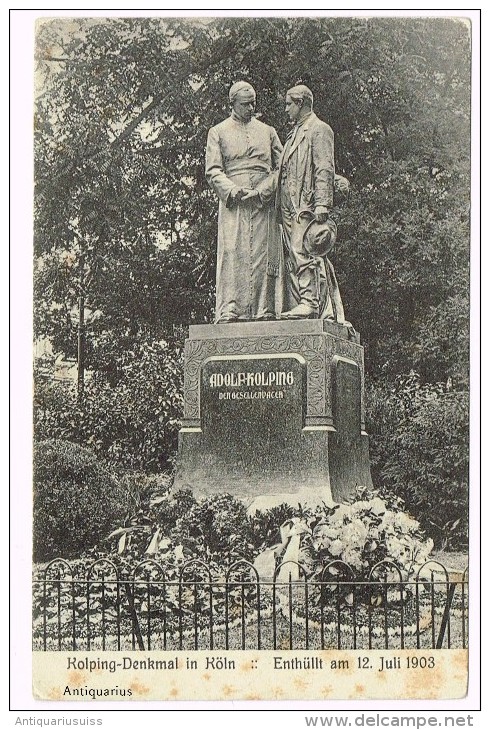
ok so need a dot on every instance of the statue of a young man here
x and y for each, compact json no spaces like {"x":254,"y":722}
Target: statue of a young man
{"x":242,"y":159}
{"x":305,"y":199}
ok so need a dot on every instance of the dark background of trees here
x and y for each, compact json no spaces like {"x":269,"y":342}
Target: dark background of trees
{"x":124,"y":216}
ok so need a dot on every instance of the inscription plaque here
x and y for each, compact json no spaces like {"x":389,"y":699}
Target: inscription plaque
{"x":260,"y":399}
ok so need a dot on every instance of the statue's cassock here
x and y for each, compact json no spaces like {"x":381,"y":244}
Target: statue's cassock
{"x":249,"y":266}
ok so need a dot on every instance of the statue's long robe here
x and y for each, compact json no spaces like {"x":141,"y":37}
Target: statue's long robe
{"x":249,"y":272}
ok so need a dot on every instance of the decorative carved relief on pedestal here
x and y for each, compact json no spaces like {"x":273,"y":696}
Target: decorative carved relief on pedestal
{"x":314,"y":348}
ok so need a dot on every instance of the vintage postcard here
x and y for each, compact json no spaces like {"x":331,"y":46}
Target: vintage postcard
{"x":251,"y":461}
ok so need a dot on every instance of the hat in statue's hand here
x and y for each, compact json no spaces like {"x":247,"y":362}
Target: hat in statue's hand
{"x":319,"y":238}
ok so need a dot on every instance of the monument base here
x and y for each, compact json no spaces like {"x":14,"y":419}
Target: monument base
{"x":273,"y":413}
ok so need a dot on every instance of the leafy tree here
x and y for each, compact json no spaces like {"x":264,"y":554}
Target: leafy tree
{"x":109,"y":193}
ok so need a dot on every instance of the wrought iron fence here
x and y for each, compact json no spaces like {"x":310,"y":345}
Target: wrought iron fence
{"x":158,"y":608}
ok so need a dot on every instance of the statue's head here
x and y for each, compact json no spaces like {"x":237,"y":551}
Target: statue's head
{"x":242,"y":100}
{"x":299,"y":99}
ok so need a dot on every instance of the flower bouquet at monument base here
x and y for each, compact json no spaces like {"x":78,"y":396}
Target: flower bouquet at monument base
{"x":370,"y":542}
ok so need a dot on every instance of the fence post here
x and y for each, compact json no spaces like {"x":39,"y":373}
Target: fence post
{"x":451,"y":588}
{"x":134,"y":616}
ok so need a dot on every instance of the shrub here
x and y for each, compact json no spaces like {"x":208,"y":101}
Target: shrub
{"x":176,"y":527}
{"x":266,"y":525}
{"x":76,"y":500}
{"x":216,"y":528}
{"x":147,"y":532}
{"x":129,"y":415}
{"x":419,"y":443}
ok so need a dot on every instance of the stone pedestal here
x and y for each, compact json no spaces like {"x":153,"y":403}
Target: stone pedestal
{"x":274,"y":412}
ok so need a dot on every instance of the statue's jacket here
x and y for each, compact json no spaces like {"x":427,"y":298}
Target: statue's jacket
{"x":310,"y":167}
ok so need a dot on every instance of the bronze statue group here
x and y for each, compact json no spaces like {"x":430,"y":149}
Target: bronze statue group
{"x":275,"y":223}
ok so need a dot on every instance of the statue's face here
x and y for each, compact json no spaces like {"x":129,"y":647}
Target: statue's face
{"x":293,"y":108}
{"x":244,"y":105}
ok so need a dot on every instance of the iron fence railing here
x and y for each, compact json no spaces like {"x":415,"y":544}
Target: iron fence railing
{"x":158,"y":608}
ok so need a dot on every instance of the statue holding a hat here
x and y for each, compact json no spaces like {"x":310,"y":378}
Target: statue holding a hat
{"x":242,"y":162}
{"x":305,"y":199}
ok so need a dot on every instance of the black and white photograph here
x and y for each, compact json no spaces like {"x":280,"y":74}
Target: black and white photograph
{"x":251,"y":357}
